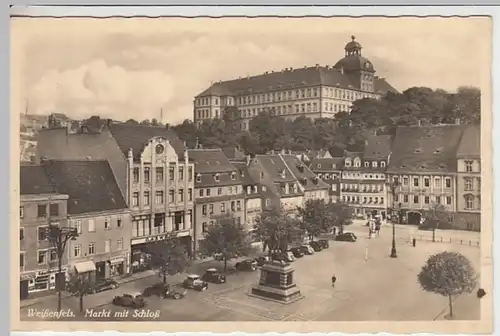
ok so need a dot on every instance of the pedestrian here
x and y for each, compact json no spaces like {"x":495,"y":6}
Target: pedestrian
{"x":334,"y":279}
{"x":334,"y":231}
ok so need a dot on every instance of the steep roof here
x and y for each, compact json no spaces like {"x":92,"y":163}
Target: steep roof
{"x":470,"y":145}
{"x":303,"y":174}
{"x":233,"y":153}
{"x":275,"y":167}
{"x":90,"y":185}
{"x":289,"y":79}
{"x":135,"y":137}
{"x":425,"y":148}
{"x":378,"y":147}
{"x":327,"y":165}
{"x":210,"y":161}
{"x":33,"y":180}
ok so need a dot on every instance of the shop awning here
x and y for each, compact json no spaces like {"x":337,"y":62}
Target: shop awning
{"x":85,"y":266}
{"x":116,"y":261}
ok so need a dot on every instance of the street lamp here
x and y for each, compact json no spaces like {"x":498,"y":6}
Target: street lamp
{"x":59,"y":237}
{"x":393,"y":186}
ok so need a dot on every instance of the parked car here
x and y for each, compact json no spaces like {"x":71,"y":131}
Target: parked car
{"x":289,"y":256}
{"x":307,"y":249}
{"x":262,"y":260}
{"x":246,"y":265}
{"x":133,"y":300}
{"x":347,"y":236}
{"x":317,"y":247}
{"x":193,"y":281}
{"x":104,"y":285}
{"x":164,"y":291}
{"x":213,"y":275}
{"x":297,"y":252}
{"x":324,"y":243}
{"x":220,"y":256}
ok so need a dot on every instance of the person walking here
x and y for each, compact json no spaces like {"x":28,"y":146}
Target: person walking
{"x":334,"y":280}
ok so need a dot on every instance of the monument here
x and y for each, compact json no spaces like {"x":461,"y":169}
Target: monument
{"x":277,"y":283}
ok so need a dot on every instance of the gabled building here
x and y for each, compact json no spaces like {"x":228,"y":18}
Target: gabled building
{"x":329,"y":170}
{"x":218,"y":190}
{"x":468,"y":215}
{"x":98,"y":211}
{"x":41,"y":205}
{"x":424,"y":162}
{"x":319,"y":154}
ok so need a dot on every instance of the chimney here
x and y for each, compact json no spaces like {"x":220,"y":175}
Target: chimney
{"x":457,"y":121}
{"x":342,"y":70}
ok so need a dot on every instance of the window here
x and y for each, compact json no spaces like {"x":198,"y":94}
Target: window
{"x":219,"y":191}
{"x":181,"y":173}
{"x":78,"y":226}
{"x":190,"y":173}
{"x":233,"y":176}
{"x":382,"y":164}
{"x":146,"y":198}
{"x":217,"y":177}
{"x":171,"y":196}
{"x":427,"y":182}
{"x":91,"y":248}
{"x":447,"y":182}
{"x":198,"y":178}
{"x":202,"y":192}
{"x":448,"y":200}
{"x":52,"y":255}
{"x":437,"y":182}
{"x":91,"y":225}
{"x":204,"y":227}
{"x":233,"y":206}
{"x":405,"y":198}
{"x":190,"y":195}
{"x":119,"y":222}
{"x":21,"y":260}
{"x":211,"y":209}
{"x":438,"y":199}
{"x":147,"y":175}
{"x":77,"y":251}
{"x":42,"y":257}
{"x":135,"y":199}
{"x":238,"y":205}
{"x":204,"y":210}
{"x":159,"y":197}
{"x":415,"y":199}
{"x":171,"y":173}
{"x":21,"y":233}
{"x":467,"y":183}
{"x":374,"y":164}
{"x":107,"y":246}
{"x":426,"y":200}
{"x":42,"y":211}
{"x":107,"y":225}
{"x":208,"y":192}
{"x":415,"y":181}
{"x":469,"y":202}
{"x":21,"y":212}
{"x":42,"y":233}
{"x":367,"y":164}
{"x":181,"y":195}
{"x":468,"y":166}
{"x":136,"y":175}
{"x":159,"y":174}
{"x":223,"y":207}
{"x":119,"y":244}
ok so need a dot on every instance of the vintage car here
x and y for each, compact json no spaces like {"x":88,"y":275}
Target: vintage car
{"x":164,"y":291}
{"x":246,"y":265}
{"x":262,"y":260}
{"x":347,"y":237}
{"x":324,"y":243}
{"x":132,"y":300}
{"x":297,"y":252}
{"x":194,"y":281}
{"x":214,"y":276}
{"x":317,"y":247}
{"x":307,"y":249}
{"x":103,"y":285}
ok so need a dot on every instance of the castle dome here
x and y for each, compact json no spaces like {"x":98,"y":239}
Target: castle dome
{"x":353,"y":60}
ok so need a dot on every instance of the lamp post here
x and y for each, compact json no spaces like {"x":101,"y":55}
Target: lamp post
{"x":59,"y":237}
{"x":393,"y":185}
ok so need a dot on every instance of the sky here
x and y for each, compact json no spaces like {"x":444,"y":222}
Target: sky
{"x":136,"y":68}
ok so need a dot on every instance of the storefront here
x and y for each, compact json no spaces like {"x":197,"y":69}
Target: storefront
{"x":37,"y":281}
{"x":86,"y":268}
{"x":116,"y":267}
{"x":25,"y":280}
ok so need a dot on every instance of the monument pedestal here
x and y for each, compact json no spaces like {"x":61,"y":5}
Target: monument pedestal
{"x":277,"y":284}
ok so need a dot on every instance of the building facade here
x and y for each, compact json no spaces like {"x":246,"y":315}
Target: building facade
{"x":98,"y":212}
{"x":317,"y":91}
{"x":468,"y":215}
{"x":329,"y":170}
{"x":424,"y":163}
{"x":218,"y":190}
{"x":40,"y":206}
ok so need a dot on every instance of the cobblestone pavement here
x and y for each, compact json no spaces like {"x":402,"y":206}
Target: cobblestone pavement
{"x":371,"y":286}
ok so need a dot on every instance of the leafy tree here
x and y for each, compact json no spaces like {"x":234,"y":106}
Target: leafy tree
{"x":315,"y":218}
{"x":80,"y":285}
{"x":168,"y":257}
{"x":267,"y":129}
{"x":448,"y":274}
{"x":340,"y":214}
{"x":276,"y":229}
{"x":436,"y":217}
{"x":146,"y":122}
{"x":155,"y":122}
{"x":302,"y":133}
{"x":187,"y":132}
{"x":226,"y":237}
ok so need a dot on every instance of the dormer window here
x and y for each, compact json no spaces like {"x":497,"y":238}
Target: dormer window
{"x":319,"y":165}
{"x":233,"y":176}
{"x":295,"y":188}
{"x":357,"y":162}
{"x":254,"y":189}
{"x":374,"y":164}
{"x":382,"y":164}
{"x":327,"y":176}
{"x":261,"y":175}
{"x":348,"y":162}
{"x":334,"y":166}
{"x":264,"y":188}
{"x":249,"y":190}
{"x":198,"y":177}
{"x":242,"y":173}
{"x":217,"y":177}
{"x":367,"y":164}
{"x":283,"y":174}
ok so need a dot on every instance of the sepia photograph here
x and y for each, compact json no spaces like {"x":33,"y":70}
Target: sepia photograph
{"x":250,"y":170}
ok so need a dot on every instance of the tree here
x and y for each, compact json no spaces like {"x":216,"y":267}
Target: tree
{"x":187,"y":132}
{"x":340,"y":214}
{"x":276,"y":229}
{"x":80,"y":285}
{"x":226,"y":237}
{"x":168,"y":257}
{"x":448,"y":274}
{"x":436,"y":217}
{"x":146,"y":122}
{"x":315,"y":218}
{"x":132,"y":122}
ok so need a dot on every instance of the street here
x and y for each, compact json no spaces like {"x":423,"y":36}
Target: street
{"x":371,"y":286}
